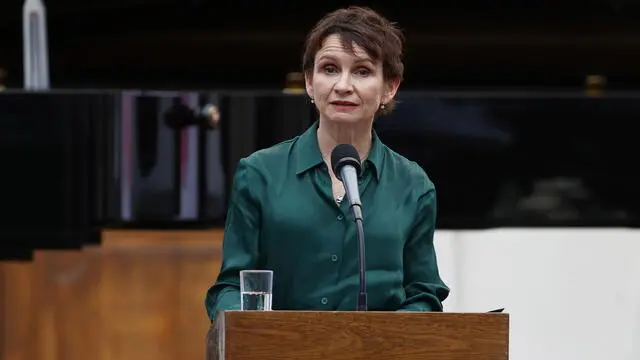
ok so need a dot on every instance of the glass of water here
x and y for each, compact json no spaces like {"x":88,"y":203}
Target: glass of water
{"x":256,"y":288}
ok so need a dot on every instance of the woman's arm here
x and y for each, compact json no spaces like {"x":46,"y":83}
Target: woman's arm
{"x":424,"y":289}
{"x":240,"y":243}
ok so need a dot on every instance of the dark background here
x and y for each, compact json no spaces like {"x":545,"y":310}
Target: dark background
{"x":240,"y":44}
{"x":494,"y":107}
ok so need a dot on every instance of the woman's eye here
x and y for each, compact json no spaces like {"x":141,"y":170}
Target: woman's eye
{"x":330,"y":69}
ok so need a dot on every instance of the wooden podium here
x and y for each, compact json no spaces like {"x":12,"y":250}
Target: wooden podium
{"x":310,"y":335}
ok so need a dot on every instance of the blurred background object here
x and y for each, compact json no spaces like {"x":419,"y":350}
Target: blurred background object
{"x":212,"y":115}
{"x":294,"y":83}
{"x":35,"y":45}
{"x":3,"y":76}
{"x":595,"y":84}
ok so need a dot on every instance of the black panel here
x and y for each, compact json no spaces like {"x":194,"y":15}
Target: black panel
{"x":53,"y":153}
{"x":523,"y":159}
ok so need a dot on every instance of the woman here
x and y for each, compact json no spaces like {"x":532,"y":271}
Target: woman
{"x":286,"y":211}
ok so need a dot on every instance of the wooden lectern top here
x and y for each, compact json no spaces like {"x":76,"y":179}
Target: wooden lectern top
{"x":310,"y":335}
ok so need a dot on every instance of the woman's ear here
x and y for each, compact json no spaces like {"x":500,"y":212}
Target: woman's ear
{"x":308,"y":79}
{"x":391,"y":88}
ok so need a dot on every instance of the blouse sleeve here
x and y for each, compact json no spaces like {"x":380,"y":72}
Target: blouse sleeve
{"x":425,"y":290}
{"x":240,"y":243}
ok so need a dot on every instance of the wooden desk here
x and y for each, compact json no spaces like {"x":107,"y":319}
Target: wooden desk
{"x":140,"y":295}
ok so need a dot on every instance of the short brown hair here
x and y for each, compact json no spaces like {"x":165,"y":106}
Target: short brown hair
{"x":379,"y":37}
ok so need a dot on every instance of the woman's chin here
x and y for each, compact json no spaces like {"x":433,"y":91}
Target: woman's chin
{"x":344,"y":118}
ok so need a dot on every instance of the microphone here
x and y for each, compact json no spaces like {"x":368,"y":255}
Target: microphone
{"x":345,"y":162}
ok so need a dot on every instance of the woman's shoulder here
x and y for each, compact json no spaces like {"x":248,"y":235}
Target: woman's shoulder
{"x":269,"y":157}
{"x":409,"y":171}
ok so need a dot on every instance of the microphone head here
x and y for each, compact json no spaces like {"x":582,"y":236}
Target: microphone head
{"x":342,"y":155}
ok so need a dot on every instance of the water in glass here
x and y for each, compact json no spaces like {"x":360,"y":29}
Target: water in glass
{"x":256,"y":300}
{"x":256,"y":289}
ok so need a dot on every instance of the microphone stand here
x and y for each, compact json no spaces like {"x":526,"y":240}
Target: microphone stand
{"x":362,"y":293}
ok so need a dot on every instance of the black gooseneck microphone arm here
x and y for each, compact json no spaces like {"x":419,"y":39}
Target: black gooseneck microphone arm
{"x":362,"y":294}
{"x":345,"y":162}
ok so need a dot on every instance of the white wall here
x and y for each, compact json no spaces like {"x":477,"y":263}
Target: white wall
{"x":572,"y":294}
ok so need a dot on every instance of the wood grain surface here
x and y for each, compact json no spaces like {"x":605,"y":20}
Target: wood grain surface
{"x":138,"y":296}
{"x":296,"y":335}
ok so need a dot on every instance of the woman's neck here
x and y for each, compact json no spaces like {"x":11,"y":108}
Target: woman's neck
{"x":332,"y":134}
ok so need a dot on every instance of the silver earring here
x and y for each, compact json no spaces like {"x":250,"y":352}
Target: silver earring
{"x":382,"y":106}
{"x":312,"y":101}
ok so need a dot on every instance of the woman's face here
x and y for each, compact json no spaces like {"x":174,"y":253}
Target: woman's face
{"x":347,"y":88}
